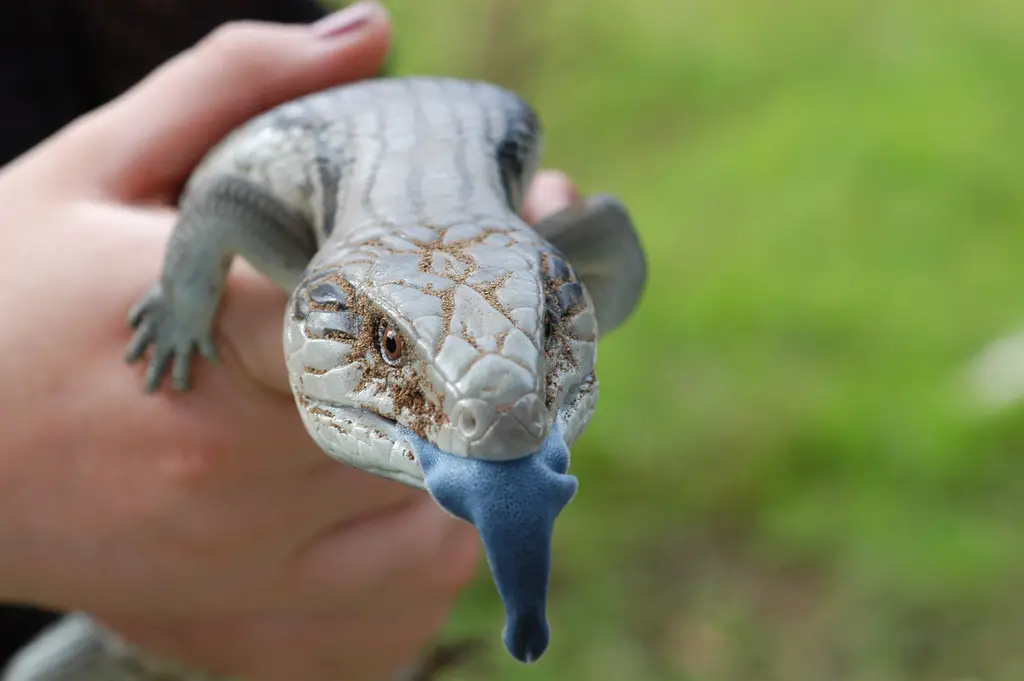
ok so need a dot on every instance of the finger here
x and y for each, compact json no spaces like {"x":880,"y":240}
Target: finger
{"x":150,"y":138}
{"x":550,"y":192}
{"x":377,"y":554}
{"x":442,"y":573}
{"x":331,"y":493}
{"x":250,"y":299}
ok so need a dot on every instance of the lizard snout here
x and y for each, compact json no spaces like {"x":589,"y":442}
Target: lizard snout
{"x":480,"y":431}
{"x":495,"y":412}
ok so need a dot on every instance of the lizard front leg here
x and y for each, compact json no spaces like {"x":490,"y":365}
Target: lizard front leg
{"x":221,"y":217}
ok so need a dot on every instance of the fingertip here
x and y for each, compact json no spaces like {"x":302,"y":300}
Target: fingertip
{"x":250,"y":323}
{"x":550,"y":192}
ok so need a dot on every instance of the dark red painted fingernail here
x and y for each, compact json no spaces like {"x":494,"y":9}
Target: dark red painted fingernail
{"x":347,"y":20}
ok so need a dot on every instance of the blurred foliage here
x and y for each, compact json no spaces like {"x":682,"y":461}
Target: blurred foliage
{"x":784,"y":479}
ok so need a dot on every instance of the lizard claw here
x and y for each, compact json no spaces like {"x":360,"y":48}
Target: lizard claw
{"x":173,"y":342}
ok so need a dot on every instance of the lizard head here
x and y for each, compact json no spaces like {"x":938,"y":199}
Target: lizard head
{"x":464,"y":363}
{"x":479,"y":343}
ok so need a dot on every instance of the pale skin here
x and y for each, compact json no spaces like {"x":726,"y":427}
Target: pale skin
{"x":208,"y":525}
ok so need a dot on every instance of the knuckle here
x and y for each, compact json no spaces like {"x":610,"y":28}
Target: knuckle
{"x":239,"y":46}
{"x":233,"y":36}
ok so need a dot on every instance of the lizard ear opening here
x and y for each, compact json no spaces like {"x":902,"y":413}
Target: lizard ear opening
{"x":599,"y":239}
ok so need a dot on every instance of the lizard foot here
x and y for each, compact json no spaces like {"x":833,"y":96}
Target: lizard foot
{"x":172,"y":340}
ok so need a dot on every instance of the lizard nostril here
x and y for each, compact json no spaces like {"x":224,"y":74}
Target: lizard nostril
{"x":467,"y":422}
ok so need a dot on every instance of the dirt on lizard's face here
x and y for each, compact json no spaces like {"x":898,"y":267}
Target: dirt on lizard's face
{"x":476,"y":343}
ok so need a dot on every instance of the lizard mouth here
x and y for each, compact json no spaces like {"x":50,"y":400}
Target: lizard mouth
{"x":380,"y":445}
{"x":361,"y":438}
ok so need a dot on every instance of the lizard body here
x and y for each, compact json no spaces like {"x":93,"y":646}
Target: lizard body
{"x":431,"y":336}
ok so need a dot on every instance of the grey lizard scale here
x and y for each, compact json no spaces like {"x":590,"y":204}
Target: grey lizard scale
{"x":427,"y":322}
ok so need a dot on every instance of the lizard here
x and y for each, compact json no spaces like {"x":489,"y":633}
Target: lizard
{"x":431,"y":335}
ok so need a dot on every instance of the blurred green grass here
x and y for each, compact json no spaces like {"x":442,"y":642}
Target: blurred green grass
{"x":782,"y":480}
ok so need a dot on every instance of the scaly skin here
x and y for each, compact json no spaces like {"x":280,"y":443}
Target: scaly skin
{"x":423,"y":309}
{"x":391,"y":203}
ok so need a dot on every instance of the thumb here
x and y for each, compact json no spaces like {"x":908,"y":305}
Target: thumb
{"x":146,"y":142}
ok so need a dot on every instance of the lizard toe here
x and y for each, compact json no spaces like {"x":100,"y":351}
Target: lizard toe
{"x":138,"y":344}
{"x":157,"y":367}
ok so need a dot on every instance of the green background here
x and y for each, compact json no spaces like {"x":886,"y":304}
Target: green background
{"x":786,"y":477}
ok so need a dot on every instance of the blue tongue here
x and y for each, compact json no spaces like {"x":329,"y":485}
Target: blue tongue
{"x":513,"y":505}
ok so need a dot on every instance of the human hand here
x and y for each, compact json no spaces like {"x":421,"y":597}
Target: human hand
{"x":206,"y":526}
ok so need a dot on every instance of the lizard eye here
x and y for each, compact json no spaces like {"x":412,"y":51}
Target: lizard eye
{"x":392,"y":346}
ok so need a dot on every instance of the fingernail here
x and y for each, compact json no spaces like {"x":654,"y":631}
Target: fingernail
{"x":345,"y":21}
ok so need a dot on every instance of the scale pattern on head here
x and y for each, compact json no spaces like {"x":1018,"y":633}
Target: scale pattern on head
{"x":431,"y":303}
